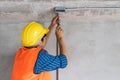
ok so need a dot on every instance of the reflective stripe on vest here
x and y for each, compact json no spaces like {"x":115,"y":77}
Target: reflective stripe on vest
{"x":23,"y":68}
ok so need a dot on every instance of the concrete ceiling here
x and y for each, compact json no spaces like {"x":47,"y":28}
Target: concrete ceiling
{"x":34,"y":10}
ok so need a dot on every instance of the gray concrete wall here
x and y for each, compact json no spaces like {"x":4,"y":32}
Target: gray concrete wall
{"x":92,"y":36}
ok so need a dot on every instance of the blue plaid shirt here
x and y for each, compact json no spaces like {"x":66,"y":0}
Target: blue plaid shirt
{"x":47,"y":62}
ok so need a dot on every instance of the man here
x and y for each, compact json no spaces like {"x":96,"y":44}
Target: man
{"x":32,"y":62}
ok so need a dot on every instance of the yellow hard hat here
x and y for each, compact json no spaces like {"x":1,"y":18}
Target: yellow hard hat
{"x":32,"y":32}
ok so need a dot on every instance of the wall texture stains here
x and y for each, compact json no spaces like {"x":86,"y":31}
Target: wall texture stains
{"x":92,"y":35}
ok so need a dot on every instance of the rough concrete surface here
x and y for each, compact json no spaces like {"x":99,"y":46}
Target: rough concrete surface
{"x":92,"y":35}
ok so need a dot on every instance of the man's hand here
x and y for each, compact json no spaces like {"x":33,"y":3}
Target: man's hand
{"x":59,"y":33}
{"x":54,"y":22}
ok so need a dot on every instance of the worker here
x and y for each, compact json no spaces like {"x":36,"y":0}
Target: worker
{"x":32,"y":61}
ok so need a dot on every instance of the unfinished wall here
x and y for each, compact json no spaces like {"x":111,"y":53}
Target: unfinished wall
{"x":92,"y":36}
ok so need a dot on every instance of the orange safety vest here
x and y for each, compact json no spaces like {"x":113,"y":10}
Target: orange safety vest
{"x":23,"y":68}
